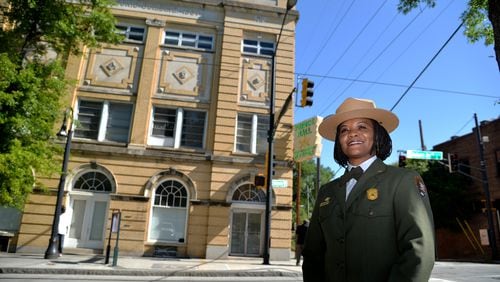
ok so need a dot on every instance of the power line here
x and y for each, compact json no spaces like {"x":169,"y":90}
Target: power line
{"x":330,"y":36}
{"x":373,"y":61}
{"x":428,"y":64}
{"x":400,"y":85}
{"x":409,"y":45}
{"x":354,"y":40}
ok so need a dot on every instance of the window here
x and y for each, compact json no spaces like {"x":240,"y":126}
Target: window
{"x":168,"y":220}
{"x":131,"y":33}
{"x":185,"y":39}
{"x":248,"y":193}
{"x":178,"y":128}
{"x":258,"y":47}
{"x":103,"y":121}
{"x":251,"y":133}
{"x":93,"y":181}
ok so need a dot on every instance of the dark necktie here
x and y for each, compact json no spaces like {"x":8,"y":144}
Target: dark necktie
{"x":355,"y":173}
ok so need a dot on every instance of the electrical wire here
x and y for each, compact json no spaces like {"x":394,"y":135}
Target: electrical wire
{"x":354,"y":40}
{"x":330,"y":36}
{"x":427,"y":66}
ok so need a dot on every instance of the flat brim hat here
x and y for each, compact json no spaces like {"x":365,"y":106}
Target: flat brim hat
{"x":357,"y":108}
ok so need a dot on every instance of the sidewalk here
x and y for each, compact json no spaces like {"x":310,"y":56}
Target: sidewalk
{"x":145,"y":266}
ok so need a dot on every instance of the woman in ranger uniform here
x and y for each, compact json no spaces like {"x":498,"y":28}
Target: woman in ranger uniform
{"x":375,"y":222}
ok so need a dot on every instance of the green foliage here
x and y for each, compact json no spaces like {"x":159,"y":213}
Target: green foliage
{"x":475,"y":17}
{"x":477,"y":23}
{"x":29,"y":107}
{"x":307,"y":184}
{"x":32,"y":88}
{"x":448,"y":195}
{"x":58,"y":25}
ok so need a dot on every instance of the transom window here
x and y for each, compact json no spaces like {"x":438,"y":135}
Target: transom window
{"x":131,"y":33}
{"x":103,"y":121}
{"x":169,"y":216}
{"x":178,"y":128}
{"x":248,"y":193}
{"x":251,"y":133}
{"x":93,"y":181}
{"x":187,"y":39}
{"x":258,"y":47}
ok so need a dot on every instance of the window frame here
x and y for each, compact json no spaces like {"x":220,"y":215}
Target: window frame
{"x":200,"y":38}
{"x":127,"y":32}
{"x":185,"y":208}
{"x":104,"y":121}
{"x":176,"y":141}
{"x":254,"y":140}
{"x":260,"y":50}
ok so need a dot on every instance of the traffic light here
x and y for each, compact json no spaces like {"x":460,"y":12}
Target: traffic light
{"x":260,"y":180}
{"x":402,"y":161}
{"x":307,"y":93}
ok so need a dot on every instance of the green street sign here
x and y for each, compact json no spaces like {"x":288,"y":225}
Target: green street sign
{"x":424,"y":155}
{"x":280,"y":183}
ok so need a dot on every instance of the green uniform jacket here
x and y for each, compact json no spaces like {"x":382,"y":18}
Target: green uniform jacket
{"x":383,"y":232}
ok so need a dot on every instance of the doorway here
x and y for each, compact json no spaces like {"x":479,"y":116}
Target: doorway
{"x":246,"y":233}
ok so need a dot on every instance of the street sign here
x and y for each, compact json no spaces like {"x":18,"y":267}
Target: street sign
{"x":280,"y":183}
{"x":307,"y":142}
{"x":424,"y":155}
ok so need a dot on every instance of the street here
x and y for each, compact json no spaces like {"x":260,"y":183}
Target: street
{"x":443,"y":272}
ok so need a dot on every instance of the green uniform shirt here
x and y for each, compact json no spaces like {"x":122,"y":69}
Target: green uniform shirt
{"x":383,"y":232}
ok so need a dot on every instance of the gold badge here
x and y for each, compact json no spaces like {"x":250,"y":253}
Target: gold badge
{"x":325,"y":202}
{"x":372,"y":194}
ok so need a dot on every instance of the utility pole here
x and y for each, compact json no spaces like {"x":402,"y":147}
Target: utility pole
{"x":422,"y":144}
{"x":270,"y":139}
{"x":491,"y":226}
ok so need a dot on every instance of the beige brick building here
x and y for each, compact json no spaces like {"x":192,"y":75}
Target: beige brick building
{"x":171,"y":129}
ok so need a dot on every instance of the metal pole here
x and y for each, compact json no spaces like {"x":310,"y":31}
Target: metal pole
{"x":422,"y":144}
{"x":318,"y":174}
{"x":297,"y":197}
{"x":491,"y":226}
{"x":52,"y":250}
{"x":270,"y":140}
{"x":116,"y":250}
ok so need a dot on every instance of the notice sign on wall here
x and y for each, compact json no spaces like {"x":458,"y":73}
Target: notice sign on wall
{"x":483,"y":234}
{"x":307,"y":141}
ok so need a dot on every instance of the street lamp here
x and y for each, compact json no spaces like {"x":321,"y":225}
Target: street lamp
{"x":270,"y":139}
{"x":52,"y":250}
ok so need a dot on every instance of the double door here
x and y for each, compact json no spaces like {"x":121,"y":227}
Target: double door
{"x":88,"y":221}
{"x":246,"y":230}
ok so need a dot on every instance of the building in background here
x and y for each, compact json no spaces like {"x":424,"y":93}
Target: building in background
{"x":464,"y":153}
{"x":171,"y":128}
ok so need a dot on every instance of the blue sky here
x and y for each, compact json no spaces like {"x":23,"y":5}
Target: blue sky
{"x":366,"y":49}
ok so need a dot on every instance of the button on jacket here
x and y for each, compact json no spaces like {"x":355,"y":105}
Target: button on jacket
{"x":382,"y":232}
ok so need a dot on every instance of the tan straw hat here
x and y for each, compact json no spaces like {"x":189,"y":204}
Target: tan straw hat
{"x":357,"y":108}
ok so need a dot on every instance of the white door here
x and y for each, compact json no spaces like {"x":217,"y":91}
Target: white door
{"x":88,"y":221}
{"x":245,"y":233}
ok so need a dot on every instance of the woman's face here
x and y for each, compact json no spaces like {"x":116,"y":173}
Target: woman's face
{"x":356,"y":137}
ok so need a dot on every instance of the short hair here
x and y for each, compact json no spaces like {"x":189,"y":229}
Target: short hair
{"x":382,"y":144}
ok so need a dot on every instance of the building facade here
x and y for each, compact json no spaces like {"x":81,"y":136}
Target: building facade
{"x":170,"y":128}
{"x":464,"y":152}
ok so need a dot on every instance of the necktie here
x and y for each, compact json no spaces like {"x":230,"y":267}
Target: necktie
{"x":355,"y":173}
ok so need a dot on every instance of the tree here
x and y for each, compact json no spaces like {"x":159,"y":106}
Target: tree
{"x":481,"y":20}
{"x":307,"y":185}
{"x":31,"y":87}
{"x":447,"y":192}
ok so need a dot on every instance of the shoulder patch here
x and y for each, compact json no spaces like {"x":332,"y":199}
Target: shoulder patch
{"x":419,"y":183}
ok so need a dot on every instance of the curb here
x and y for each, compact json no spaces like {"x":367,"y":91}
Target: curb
{"x":149,"y":272}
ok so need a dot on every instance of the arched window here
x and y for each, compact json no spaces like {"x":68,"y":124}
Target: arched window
{"x":169,"y":216}
{"x":93,"y":181}
{"x":248,"y":193}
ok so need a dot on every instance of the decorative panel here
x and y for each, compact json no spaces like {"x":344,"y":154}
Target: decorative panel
{"x":185,"y":74}
{"x":113,"y":67}
{"x":255,"y":80}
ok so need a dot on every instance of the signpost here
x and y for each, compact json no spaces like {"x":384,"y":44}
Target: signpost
{"x":307,"y":142}
{"x":424,"y":155}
